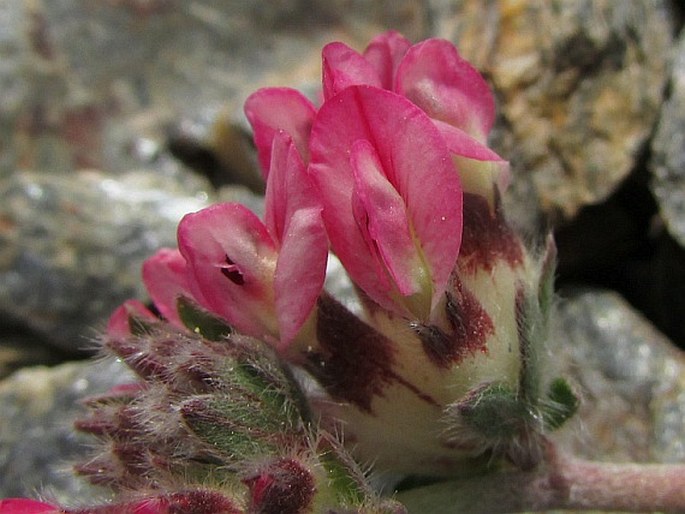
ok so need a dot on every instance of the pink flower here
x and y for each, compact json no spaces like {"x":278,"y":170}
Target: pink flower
{"x":25,"y":506}
{"x":392,"y":202}
{"x":274,"y":109}
{"x":165,"y":276}
{"x":119,"y":324}
{"x":434,"y":77}
{"x":264,"y":278}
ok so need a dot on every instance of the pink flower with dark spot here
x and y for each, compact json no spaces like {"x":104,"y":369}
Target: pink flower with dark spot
{"x":264,"y":278}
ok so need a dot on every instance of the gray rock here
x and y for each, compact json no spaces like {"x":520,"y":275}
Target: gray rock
{"x":71,"y":247}
{"x":38,"y":444}
{"x":579,"y":85}
{"x":631,"y":380}
{"x":19,"y":348}
{"x":668,"y":152}
{"x":99,"y":85}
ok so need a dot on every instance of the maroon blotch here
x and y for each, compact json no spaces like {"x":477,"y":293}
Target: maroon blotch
{"x":355,"y":361}
{"x":438,"y":345}
{"x":487,"y":237}
{"x":471,"y":325}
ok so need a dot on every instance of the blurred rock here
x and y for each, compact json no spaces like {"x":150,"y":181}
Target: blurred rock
{"x":20,"y":348}
{"x":579,"y":86}
{"x":100,"y":84}
{"x":38,"y":444}
{"x":631,"y":380}
{"x":71,"y":246}
{"x":668,"y":151}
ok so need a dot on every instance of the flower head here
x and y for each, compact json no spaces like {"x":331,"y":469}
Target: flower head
{"x":392,"y":172}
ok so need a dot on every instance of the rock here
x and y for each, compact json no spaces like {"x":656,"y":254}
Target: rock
{"x":20,"y":348}
{"x":631,"y":380}
{"x":668,"y":152}
{"x":38,"y":444}
{"x":100,"y":85}
{"x":579,"y":85}
{"x":71,"y":246}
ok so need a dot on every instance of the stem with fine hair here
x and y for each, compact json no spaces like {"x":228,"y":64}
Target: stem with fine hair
{"x":560,"y":482}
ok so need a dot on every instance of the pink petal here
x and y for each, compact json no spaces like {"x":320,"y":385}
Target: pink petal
{"x":462,"y":144}
{"x":279,"y":108}
{"x":344,"y":67}
{"x":384,"y":53}
{"x":165,"y":278}
{"x":25,"y":506}
{"x":382,"y":218}
{"x":446,"y":87}
{"x":293,"y":218}
{"x":118,"y":326}
{"x":288,"y":187}
{"x":414,"y":159}
{"x":231,"y":261}
{"x":300,"y":271}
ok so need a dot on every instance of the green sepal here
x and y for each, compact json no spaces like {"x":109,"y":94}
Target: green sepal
{"x":255,"y":413}
{"x":341,"y":480}
{"x":562,"y":403}
{"x":495,"y":411}
{"x":202,"y":322}
{"x":234,"y":431}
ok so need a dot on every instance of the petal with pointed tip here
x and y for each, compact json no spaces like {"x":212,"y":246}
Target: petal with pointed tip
{"x":288,"y":187}
{"x":279,"y":108}
{"x":344,"y":67}
{"x":435,"y":77}
{"x":463,"y":144}
{"x":293,"y":218}
{"x":300,"y":272}
{"x":231,"y":260}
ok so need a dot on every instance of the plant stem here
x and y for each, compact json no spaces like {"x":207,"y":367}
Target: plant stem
{"x":561,"y":482}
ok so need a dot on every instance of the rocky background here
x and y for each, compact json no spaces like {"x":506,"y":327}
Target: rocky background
{"x":119,"y":116}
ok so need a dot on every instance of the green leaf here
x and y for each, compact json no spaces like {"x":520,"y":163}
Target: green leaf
{"x":495,"y":411}
{"x":202,"y":322}
{"x":562,"y":403}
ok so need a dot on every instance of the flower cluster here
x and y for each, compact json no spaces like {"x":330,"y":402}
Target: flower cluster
{"x":374,"y":172}
{"x":435,"y":371}
{"x":392,"y":172}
